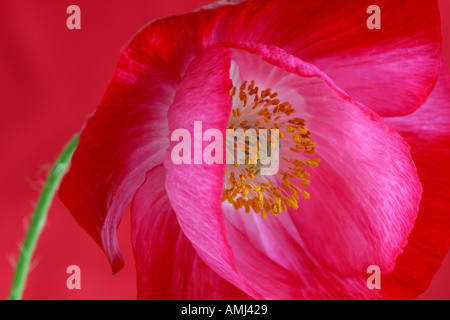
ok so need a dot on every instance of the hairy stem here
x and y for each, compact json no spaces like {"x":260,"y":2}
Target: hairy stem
{"x":38,"y":219}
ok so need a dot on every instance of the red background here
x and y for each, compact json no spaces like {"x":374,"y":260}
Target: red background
{"x":51,"y":79}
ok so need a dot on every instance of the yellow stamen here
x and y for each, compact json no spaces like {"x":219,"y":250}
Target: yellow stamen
{"x":263,"y":194}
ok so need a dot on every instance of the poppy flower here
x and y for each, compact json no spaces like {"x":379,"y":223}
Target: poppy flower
{"x":363,"y":116}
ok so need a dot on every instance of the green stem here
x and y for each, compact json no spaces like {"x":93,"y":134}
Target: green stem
{"x":38,"y":219}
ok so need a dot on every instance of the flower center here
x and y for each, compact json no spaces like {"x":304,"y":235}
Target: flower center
{"x":244,"y":185}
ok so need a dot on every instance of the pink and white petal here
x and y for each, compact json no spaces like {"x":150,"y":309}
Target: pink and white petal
{"x":365,"y":193}
{"x":428,"y":132}
{"x":125,"y":138}
{"x":167,"y":264}
{"x":369,"y":177}
{"x":195,"y":190}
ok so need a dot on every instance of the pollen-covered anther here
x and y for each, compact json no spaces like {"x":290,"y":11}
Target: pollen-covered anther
{"x":244,"y":186}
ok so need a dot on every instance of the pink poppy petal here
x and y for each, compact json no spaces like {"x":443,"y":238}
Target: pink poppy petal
{"x":195,"y":190}
{"x":428,"y":132}
{"x":167,"y":264}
